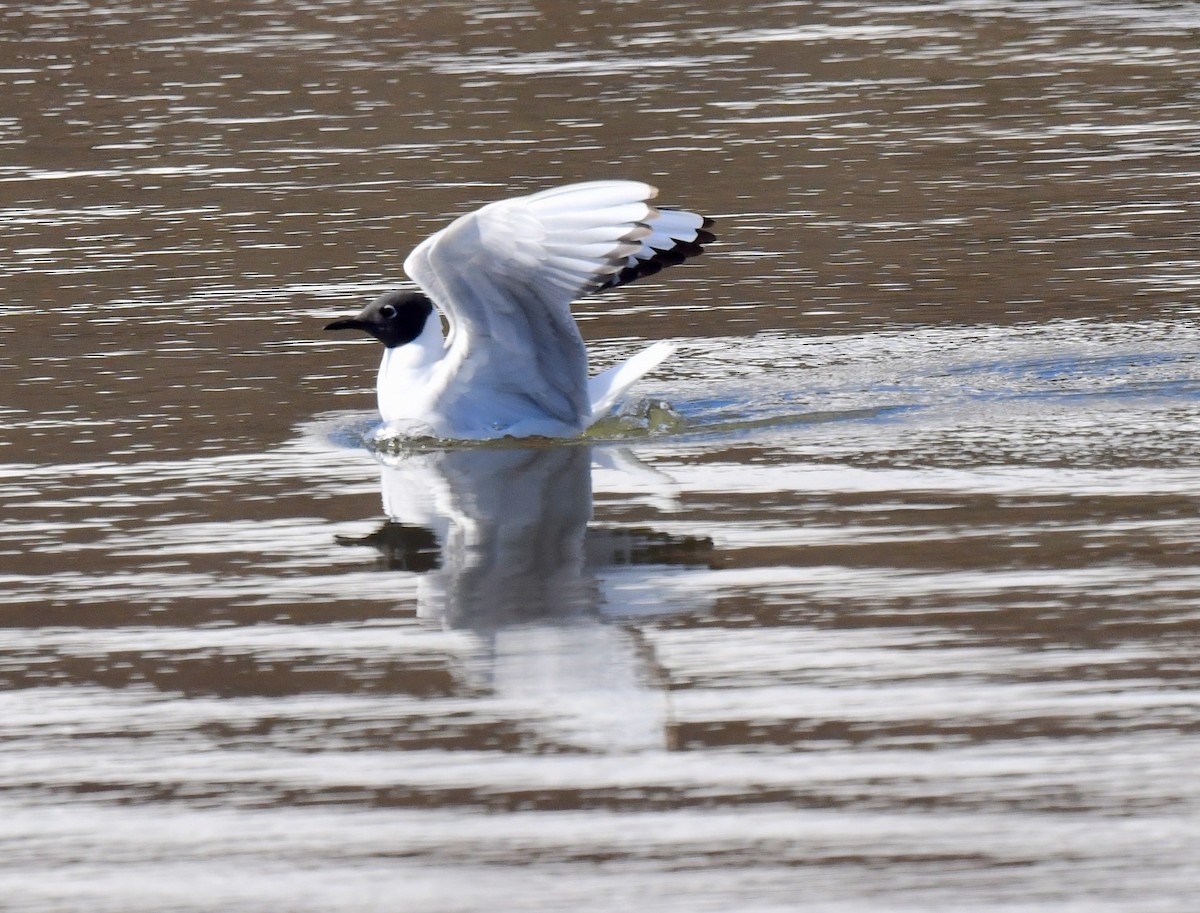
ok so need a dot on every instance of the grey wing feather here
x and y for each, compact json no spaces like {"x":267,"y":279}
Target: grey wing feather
{"x":505,"y":276}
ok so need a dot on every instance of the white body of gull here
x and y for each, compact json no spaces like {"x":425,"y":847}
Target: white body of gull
{"x":512,"y":362}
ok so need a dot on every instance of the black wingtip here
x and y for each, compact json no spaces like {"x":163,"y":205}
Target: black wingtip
{"x":679,"y":252}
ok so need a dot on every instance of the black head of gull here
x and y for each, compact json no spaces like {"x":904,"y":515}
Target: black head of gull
{"x":395,"y":318}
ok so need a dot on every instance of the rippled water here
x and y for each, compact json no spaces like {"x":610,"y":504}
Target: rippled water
{"x":882,"y":597}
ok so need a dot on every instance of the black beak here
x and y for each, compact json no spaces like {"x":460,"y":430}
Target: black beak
{"x":348,"y":323}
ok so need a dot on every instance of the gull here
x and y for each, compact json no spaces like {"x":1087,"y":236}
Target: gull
{"x":512,"y":362}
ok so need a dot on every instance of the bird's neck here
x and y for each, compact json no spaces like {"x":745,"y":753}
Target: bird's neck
{"x":406,"y":371}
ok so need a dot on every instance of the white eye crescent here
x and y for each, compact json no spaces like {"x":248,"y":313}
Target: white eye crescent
{"x":388,"y":311}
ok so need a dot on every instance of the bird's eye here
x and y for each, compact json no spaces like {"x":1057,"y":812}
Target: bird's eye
{"x":388,"y":311}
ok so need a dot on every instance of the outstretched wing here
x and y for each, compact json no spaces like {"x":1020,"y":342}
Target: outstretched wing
{"x":505,"y":276}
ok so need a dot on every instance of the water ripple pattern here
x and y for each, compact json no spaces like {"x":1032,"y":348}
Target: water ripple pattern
{"x":882,"y":595}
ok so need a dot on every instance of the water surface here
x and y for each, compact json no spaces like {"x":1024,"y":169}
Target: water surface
{"x":897,"y":610}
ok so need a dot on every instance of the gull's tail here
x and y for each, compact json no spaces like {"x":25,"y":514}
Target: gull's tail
{"x":607,"y":387}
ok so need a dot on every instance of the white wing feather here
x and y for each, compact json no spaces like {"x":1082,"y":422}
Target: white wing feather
{"x":607,"y":387}
{"x":505,"y":276}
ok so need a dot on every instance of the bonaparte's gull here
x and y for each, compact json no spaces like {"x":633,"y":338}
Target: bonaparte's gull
{"x":513,"y":362}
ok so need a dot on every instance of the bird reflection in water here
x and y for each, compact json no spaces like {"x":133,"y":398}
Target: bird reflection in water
{"x":503,"y":545}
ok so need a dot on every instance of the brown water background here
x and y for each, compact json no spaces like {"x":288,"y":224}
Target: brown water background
{"x":903,"y":615}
